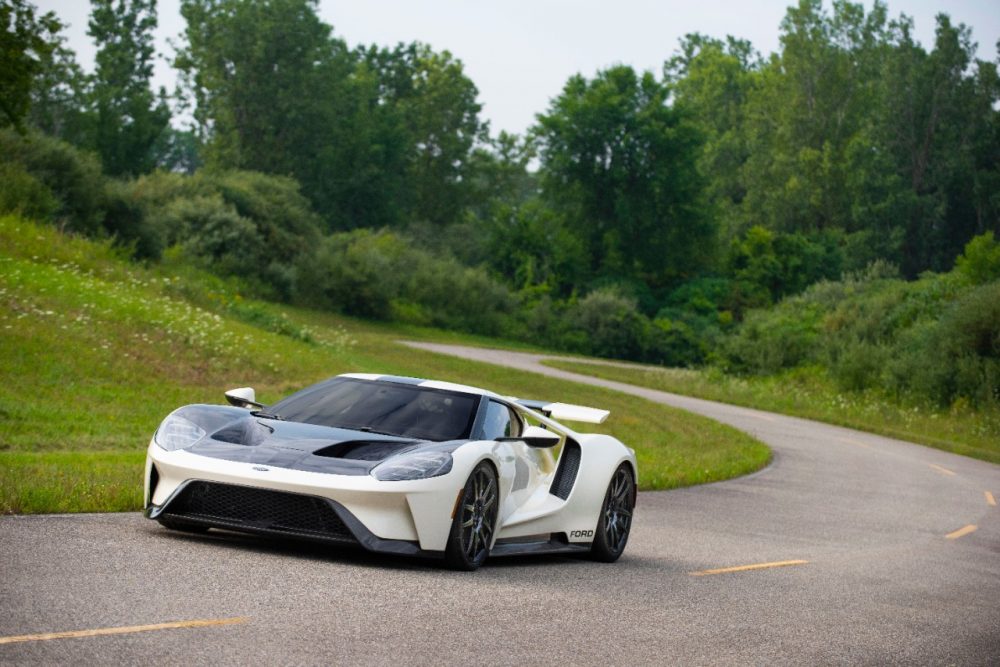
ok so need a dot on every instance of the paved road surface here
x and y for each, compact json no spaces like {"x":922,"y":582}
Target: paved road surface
{"x":883,"y":582}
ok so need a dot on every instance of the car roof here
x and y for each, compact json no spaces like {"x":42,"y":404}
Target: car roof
{"x":421,"y":382}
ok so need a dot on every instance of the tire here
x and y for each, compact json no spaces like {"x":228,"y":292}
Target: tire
{"x":616,"y":517}
{"x":184,"y":527}
{"x":475,"y":521}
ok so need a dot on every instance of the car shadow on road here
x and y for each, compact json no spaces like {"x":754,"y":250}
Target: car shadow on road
{"x":359,"y":557}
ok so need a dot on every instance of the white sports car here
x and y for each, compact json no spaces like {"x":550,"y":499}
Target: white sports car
{"x":398,"y":465}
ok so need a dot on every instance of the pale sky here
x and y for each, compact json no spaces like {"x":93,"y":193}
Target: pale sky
{"x":519,"y":53}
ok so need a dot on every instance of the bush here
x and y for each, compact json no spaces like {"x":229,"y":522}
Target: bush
{"x":72,"y":177}
{"x":237,"y":223}
{"x":980,"y":263}
{"x":772,"y":340}
{"x":379,"y":275}
{"x":24,"y":194}
{"x":606,"y":323}
{"x":956,"y":356}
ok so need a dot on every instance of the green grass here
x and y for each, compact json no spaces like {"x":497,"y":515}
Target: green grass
{"x":95,"y":351}
{"x":806,"y":392}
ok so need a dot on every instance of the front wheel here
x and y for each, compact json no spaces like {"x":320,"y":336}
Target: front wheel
{"x":616,"y":517}
{"x":475,"y":520}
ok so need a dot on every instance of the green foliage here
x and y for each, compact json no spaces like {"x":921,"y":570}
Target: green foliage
{"x":955,"y":357}
{"x":237,"y":223}
{"x":128,"y":118}
{"x":379,"y":275}
{"x":621,"y":162}
{"x":980,"y":262}
{"x":606,"y":323}
{"x":72,"y":177}
{"x":24,"y":194}
{"x":26,"y":40}
{"x":60,"y":104}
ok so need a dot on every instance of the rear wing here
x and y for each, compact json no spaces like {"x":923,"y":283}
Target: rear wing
{"x":566,"y":411}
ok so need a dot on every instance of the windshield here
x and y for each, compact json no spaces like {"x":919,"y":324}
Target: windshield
{"x":387,"y":407}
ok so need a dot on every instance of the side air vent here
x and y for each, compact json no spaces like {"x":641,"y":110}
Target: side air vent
{"x":569,"y":465}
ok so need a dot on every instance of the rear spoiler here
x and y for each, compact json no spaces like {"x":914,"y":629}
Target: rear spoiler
{"x":566,"y":411}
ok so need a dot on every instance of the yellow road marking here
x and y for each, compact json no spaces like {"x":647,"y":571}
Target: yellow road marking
{"x":744,"y":568}
{"x":855,"y":442}
{"x":943,"y":471}
{"x":122,"y":630}
{"x":990,"y":500}
{"x":961,"y":531}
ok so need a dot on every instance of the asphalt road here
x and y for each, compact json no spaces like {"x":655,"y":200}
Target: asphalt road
{"x":893,"y":574}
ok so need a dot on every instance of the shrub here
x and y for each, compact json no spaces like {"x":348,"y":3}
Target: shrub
{"x":771,"y":340}
{"x":24,"y":194}
{"x":245,"y":224}
{"x":980,"y":263}
{"x":73,"y":177}
{"x":606,"y":323}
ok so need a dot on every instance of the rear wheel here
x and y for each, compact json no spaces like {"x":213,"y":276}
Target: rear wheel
{"x":616,"y":517}
{"x":475,"y":521}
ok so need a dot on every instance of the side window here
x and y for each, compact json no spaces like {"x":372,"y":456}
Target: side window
{"x":500,"y":422}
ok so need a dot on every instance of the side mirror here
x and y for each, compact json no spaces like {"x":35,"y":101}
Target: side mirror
{"x":535,"y":436}
{"x":244,"y":397}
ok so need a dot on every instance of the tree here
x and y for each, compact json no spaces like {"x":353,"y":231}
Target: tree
{"x":60,"y":104}
{"x":621,"y":165}
{"x":711,"y":81}
{"x":27,"y":40}
{"x":129,"y":119}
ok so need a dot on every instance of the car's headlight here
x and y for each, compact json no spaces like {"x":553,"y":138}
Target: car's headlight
{"x":418,"y":465}
{"x":177,"y":433}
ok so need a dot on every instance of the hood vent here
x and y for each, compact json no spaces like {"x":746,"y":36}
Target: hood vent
{"x":366,"y":450}
{"x":247,"y":431}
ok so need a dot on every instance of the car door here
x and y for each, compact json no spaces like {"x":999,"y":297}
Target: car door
{"x":525,"y":468}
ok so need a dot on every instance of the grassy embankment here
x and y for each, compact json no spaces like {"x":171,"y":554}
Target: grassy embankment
{"x":95,"y":351}
{"x":807,"y":393}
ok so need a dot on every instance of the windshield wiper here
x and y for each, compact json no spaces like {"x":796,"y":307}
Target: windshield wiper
{"x":268,"y":415}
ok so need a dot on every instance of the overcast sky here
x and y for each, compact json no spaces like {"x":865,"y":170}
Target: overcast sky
{"x":519,"y":53}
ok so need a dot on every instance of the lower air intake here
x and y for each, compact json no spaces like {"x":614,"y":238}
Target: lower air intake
{"x":257,"y":510}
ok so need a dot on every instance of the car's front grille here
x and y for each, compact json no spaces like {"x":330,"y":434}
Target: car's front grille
{"x":257,"y":510}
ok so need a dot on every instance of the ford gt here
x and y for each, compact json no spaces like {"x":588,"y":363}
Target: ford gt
{"x":396,"y":465}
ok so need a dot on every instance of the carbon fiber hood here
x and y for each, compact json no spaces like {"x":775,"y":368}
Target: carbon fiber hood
{"x":233,"y":434}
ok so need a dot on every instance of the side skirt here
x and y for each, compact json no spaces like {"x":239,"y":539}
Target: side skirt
{"x":556,"y":543}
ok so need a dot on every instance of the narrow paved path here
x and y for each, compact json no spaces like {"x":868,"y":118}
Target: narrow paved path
{"x":891,"y":552}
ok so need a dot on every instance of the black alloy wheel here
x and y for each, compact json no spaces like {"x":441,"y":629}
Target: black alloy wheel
{"x":475,"y":520}
{"x":616,"y":517}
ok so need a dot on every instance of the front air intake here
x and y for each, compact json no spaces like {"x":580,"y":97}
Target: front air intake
{"x":255,"y":510}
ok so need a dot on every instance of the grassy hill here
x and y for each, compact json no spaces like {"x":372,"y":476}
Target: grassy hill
{"x":96,"y":350}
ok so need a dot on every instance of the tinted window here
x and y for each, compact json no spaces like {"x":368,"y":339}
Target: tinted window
{"x":500,"y":422}
{"x":387,"y":407}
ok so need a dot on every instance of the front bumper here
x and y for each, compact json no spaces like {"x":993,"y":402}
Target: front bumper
{"x":407,"y":517}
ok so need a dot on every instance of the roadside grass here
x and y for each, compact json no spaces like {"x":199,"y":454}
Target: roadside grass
{"x":806,"y":392}
{"x":95,"y":351}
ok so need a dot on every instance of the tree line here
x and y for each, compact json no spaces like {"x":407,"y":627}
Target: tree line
{"x":644,"y":215}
